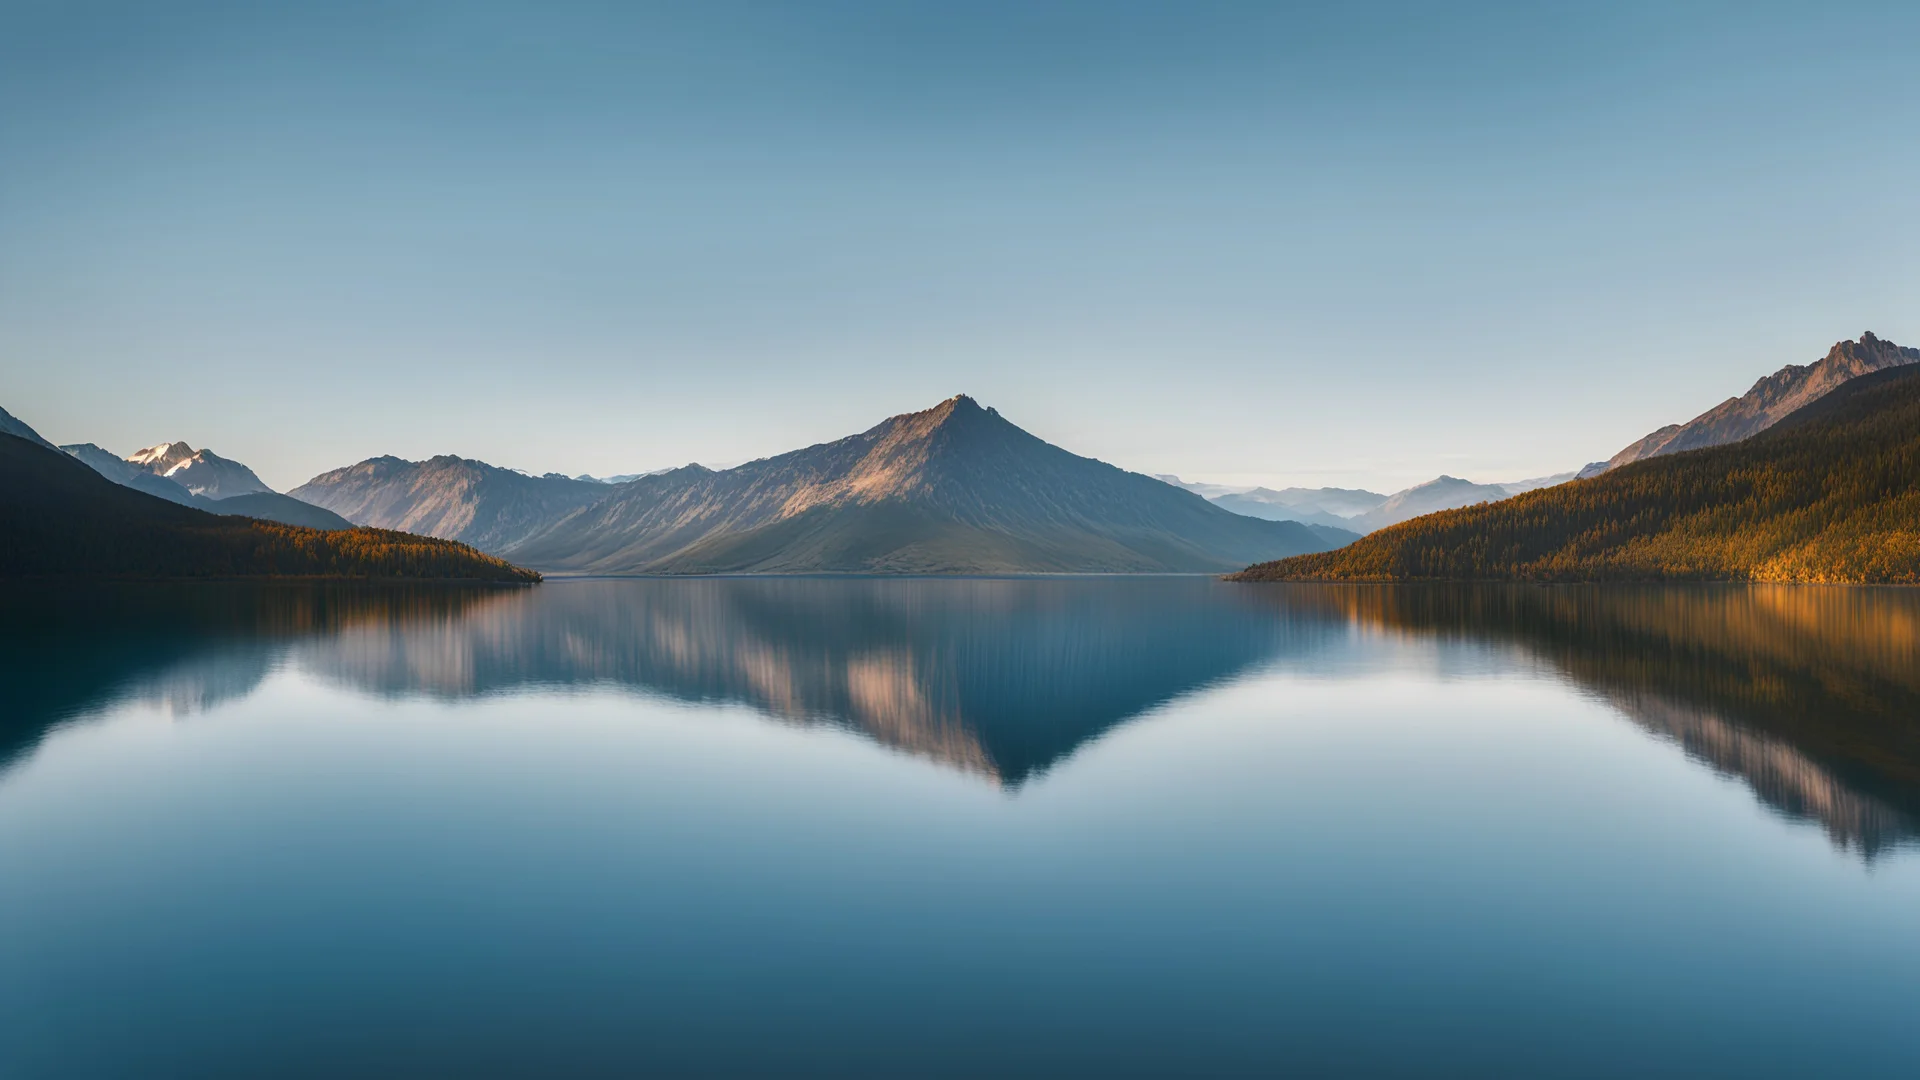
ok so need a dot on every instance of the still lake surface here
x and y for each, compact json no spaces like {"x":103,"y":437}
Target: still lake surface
{"x":922,"y":827}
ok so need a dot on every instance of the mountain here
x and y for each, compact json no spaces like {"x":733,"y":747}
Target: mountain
{"x":1204,"y":490}
{"x":126,"y":473}
{"x":1265,"y":503}
{"x":1339,"y":502}
{"x":1771,"y":399}
{"x":1334,"y":507}
{"x":265,"y":505}
{"x":17,"y":428}
{"x":623,"y":478}
{"x":1830,"y":494}
{"x":953,"y":489}
{"x":60,"y":518}
{"x":1441,"y":493}
{"x":201,"y":472}
{"x":449,"y":497}
{"x":1358,"y":510}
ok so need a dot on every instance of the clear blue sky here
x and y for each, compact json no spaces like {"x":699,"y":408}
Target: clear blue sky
{"x":1332,"y":243}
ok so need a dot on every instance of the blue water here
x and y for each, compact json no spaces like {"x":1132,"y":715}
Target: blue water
{"x":1110,"y":826}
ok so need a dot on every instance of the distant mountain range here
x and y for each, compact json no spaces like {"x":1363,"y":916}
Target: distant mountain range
{"x":1830,"y":493}
{"x":622,"y":478}
{"x":1772,"y":399}
{"x":1357,"y":509}
{"x":1440,"y":493}
{"x":63,"y":519}
{"x":953,"y":489}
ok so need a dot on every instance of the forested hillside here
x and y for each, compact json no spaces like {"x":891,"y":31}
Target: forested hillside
{"x":1830,"y":494}
{"x":60,"y":518}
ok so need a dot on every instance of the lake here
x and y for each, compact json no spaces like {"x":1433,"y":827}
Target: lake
{"x":937,"y":827}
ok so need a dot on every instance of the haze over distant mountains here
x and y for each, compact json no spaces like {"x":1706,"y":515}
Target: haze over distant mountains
{"x":1357,"y":509}
{"x":953,"y":489}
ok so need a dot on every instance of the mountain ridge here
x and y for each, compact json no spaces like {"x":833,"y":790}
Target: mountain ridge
{"x":1770,"y":399}
{"x":953,"y":488}
{"x":1830,"y":494}
{"x":451,"y":497}
{"x":265,"y":504}
{"x":13,"y":425}
{"x":63,"y":519}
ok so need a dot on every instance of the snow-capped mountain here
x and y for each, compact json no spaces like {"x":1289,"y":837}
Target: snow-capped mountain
{"x":201,"y":472}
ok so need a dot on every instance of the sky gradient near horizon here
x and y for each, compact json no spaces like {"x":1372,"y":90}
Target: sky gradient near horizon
{"x":1356,"y":245}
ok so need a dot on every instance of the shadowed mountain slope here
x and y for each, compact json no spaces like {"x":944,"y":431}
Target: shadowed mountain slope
{"x":60,"y":518}
{"x":449,"y":497}
{"x":1831,"y":494}
{"x":954,"y":489}
{"x":273,"y":506}
{"x":1772,"y":399}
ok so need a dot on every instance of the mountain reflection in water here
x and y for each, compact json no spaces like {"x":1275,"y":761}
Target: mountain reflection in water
{"x":1809,"y":695}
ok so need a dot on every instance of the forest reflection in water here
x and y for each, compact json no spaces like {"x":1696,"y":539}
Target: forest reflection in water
{"x":1809,"y":695}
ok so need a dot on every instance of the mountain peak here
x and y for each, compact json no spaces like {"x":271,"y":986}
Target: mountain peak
{"x":162,"y":454}
{"x":959,"y":406}
{"x":1773,"y":398}
{"x":955,"y":488}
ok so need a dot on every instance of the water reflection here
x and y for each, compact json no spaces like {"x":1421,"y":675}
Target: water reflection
{"x":70,"y":649}
{"x":1002,"y":678}
{"x":1809,"y":695}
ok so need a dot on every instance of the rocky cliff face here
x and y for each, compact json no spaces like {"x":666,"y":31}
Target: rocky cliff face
{"x":1770,"y":400}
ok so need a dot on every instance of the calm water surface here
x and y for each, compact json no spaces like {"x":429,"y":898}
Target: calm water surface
{"x":959,"y":827}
